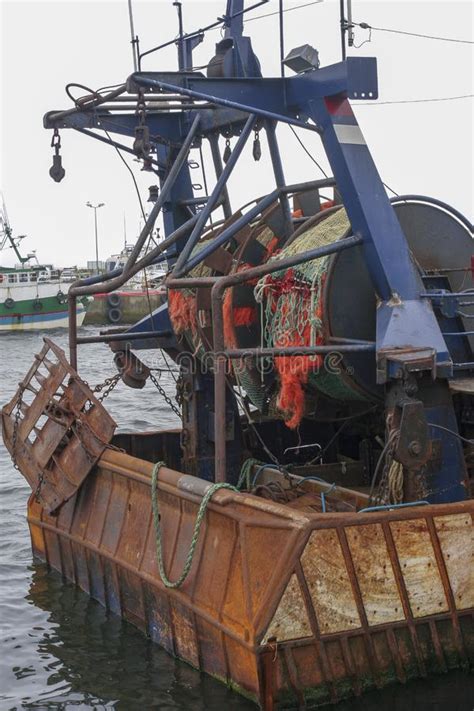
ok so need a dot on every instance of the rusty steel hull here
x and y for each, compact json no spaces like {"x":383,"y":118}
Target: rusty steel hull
{"x":286,"y":606}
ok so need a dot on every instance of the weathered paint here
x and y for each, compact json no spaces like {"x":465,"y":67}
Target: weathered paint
{"x":254,"y":568}
{"x":290,"y":620}
{"x":456,"y":537}
{"x":375,"y":574}
{"x":329,"y":583}
{"x":418,"y":563}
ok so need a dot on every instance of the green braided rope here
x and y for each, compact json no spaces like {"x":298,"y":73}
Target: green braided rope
{"x":197,"y":526}
{"x":244,"y":477}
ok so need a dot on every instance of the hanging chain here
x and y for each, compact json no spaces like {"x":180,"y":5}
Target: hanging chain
{"x":38,"y":487}
{"x":141,"y":144}
{"x":107,"y":386}
{"x":256,"y":149}
{"x":162,"y":392}
{"x":56,"y":141}
{"x":56,"y":171}
{"x":227,"y":151}
{"x":16,"y":424}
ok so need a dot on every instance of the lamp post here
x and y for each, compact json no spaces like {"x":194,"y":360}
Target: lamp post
{"x":95,"y":208}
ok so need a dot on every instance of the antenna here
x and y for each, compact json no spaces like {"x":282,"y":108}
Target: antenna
{"x":134,"y":39}
{"x":282,"y":39}
{"x":181,"y":54}
{"x":124,"y":230}
{"x":350,"y":26}
{"x":346,"y":26}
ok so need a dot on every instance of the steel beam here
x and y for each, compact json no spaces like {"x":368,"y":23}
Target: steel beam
{"x":214,"y":197}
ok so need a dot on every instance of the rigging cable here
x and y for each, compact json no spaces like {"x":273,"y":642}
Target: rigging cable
{"x":144,"y":218}
{"x":130,"y":171}
{"x":366,"y":26}
{"x":288,"y":9}
{"x":308,"y":153}
{"x":413,"y":101}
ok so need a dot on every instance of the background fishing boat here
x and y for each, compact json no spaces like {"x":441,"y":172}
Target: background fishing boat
{"x":32,"y":295}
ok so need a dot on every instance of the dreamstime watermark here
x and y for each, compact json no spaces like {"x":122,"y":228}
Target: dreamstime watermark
{"x":207,"y":362}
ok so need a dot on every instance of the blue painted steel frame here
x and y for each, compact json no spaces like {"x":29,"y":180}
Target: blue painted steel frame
{"x":316,"y":100}
{"x":404,"y":321}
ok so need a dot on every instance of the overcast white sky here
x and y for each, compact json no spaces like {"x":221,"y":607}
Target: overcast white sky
{"x":424,"y":148}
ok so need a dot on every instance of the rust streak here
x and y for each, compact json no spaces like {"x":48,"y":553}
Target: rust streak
{"x":437,"y":645}
{"x":175,"y":542}
{"x":293,"y":675}
{"x":245,"y":570}
{"x":170,"y":594}
{"x":235,"y":541}
{"x":393,"y":645}
{"x":392,"y":552}
{"x":359,"y":603}
{"x":447,"y":588}
{"x":313,"y":621}
{"x":349,"y":662}
{"x":197,"y":560}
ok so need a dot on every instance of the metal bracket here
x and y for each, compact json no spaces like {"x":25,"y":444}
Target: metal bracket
{"x":413,"y":448}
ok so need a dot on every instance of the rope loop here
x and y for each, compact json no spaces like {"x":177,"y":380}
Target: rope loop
{"x":197,"y":526}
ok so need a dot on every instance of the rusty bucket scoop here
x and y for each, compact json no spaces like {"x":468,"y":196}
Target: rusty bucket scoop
{"x":55,"y":428}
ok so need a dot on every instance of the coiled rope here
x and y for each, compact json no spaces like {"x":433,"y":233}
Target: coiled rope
{"x":197,"y":526}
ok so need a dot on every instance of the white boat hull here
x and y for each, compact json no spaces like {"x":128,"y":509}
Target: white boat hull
{"x":40,"y":322}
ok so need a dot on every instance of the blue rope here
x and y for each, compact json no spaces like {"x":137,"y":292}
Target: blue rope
{"x":386,"y":507}
{"x":264,"y":466}
{"x":323,"y":496}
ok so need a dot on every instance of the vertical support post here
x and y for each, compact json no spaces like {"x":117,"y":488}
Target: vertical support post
{"x":219,"y":383}
{"x":270,"y":127}
{"x":218,"y":168}
{"x":179,"y":8}
{"x":96,"y":242}
{"x":133,"y":39}
{"x":282,"y":39}
{"x":220,"y":418}
{"x":343,"y":29}
{"x":72,"y":307}
{"x":214,"y":197}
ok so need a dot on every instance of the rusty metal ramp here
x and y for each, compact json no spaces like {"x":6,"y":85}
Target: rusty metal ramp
{"x":55,"y":428}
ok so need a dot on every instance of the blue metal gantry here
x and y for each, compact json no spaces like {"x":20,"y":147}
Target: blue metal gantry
{"x":233,"y":100}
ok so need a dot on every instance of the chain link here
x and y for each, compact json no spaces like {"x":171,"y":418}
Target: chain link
{"x":16,"y":424}
{"x":109,"y":384}
{"x":162,"y":392}
{"x":38,"y":487}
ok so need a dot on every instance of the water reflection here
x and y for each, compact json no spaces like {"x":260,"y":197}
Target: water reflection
{"x":98,"y":660}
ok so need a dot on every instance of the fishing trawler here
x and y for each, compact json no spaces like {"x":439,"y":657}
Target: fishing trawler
{"x":151,"y":277}
{"x":33,"y":296}
{"x":307,"y":533}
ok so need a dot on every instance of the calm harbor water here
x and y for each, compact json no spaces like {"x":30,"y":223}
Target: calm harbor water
{"x":60,"y":650}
